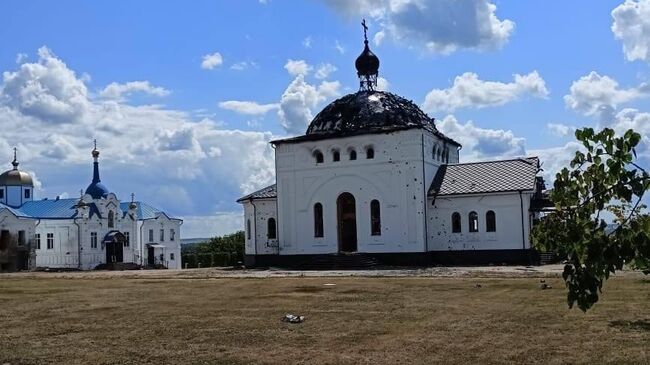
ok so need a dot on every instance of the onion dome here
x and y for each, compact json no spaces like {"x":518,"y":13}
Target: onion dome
{"x":367,"y":64}
{"x":16,"y":177}
{"x":369,"y":112}
{"x":96,"y":189}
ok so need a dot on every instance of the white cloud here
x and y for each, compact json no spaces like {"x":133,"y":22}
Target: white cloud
{"x":46,"y":89}
{"x":117,"y":91}
{"x":382,"y":84}
{"x":479,"y":143}
{"x":248,"y":107}
{"x":469,"y":91}
{"x":438,"y":25}
{"x":165,"y":156}
{"x":243,"y":65}
{"x":554,"y":159}
{"x":209,"y":226}
{"x":324,"y":70}
{"x":560,"y":130}
{"x":307,"y":42}
{"x":21,"y":57}
{"x":297,"y":67}
{"x":632,"y":26}
{"x":299,"y":101}
{"x":210,"y":61}
{"x":596,"y":95}
{"x":339,"y":47}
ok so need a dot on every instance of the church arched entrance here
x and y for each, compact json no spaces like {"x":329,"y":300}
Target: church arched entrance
{"x":114,"y":246}
{"x":347,"y":222}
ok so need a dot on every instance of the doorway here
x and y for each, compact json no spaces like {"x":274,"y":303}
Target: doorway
{"x":347,"y":222}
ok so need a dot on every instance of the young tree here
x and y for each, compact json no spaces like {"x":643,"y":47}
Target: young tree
{"x":606,"y":176}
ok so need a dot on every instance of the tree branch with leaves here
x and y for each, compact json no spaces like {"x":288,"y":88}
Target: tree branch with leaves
{"x":605,"y":177}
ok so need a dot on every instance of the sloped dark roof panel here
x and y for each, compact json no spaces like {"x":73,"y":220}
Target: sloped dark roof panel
{"x":486,"y":177}
{"x":367,"y":112}
{"x":269,"y":192}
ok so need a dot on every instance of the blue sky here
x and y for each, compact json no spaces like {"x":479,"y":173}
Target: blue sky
{"x":173,"y":130}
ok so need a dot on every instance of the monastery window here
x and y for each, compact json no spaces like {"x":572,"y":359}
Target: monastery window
{"x":21,"y":238}
{"x":172,"y":234}
{"x":353,"y":155}
{"x":171,"y":256}
{"x":28,"y":193}
{"x":435,"y":151}
{"x":2,"y":193}
{"x":93,"y":240}
{"x":370,"y":153}
{"x":111,"y":219}
{"x":375,"y":218}
{"x":162,"y":235}
{"x":37,"y":238}
{"x":473,"y":222}
{"x":50,"y":241}
{"x":5,"y":238}
{"x":271,"y":229}
{"x":455,"y":223}
{"x":318,"y":156}
{"x":318,"y":220}
{"x":127,"y":239}
{"x":447,"y":155}
{"x":248,"y":229}
{"x":151,"y":235}
{"x":336,"y":156}
{"x":490,"y":221}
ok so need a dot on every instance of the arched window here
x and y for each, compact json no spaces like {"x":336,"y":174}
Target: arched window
{"x":248,"y":229}
{"x":490,"y":221}
{"x":353,"y":155}
{"x":446,"y":155}
{"x":318,"y":220}
{"x":455,"y":222}
{"x":375,"y":218}
{"x":473,"y":222}
{"x":435,"y":150}
{"x":318,"y":156}
{"x":111,"y":219}
{"x":370,"y":153}
{"x":336,"y":156}
{"x":271,"y":232}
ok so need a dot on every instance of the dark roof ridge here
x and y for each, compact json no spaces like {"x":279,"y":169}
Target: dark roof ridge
{"x":522,"y":159}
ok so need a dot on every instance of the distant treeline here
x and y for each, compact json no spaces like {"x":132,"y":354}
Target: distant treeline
{"x":225,"y":250}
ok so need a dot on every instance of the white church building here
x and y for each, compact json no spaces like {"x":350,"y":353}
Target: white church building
{"x":82,"y":233}
{"x":373,"y":177}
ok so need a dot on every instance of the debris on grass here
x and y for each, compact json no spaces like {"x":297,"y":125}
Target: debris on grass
{"x":292,"y":318}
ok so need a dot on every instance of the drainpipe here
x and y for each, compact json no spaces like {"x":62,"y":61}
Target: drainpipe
{"x":78,"y":242}
{"x":523,"y":234}
{"x":424,"y":188}
{"x":254,"y":224}
{"x":141,"y":245}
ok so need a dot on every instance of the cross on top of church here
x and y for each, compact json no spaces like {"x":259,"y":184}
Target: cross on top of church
{"x":365,"y":31}
{"x":132,"y":197}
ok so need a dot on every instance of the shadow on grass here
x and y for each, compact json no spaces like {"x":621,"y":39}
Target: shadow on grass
{"x":639,"y":325}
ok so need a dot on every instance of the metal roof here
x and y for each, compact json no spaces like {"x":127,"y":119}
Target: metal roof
{"x":143,"y":210}
{"x":14,"y":211}
{"x":52,"y":209}
{"x":268,"y":192}
{"x":486,"y":177}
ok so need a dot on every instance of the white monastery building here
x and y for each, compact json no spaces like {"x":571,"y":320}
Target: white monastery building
{"x":374,"y":178}
{"x":95,"y":229}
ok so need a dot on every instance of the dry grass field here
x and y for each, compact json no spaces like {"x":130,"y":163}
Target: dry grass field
{"x":416,"y":320}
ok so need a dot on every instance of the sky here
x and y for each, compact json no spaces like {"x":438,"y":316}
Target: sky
{"x":184,"y":96}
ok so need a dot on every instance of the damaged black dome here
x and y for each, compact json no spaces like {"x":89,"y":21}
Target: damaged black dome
{"x":369,"y":112}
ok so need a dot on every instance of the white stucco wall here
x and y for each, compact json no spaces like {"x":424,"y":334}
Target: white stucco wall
{"x":13,"y":224}
{"x":508,"y":210}
{"x":171,"y":253}
{"x":398,"y":176}
{"x":258,"y":213}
